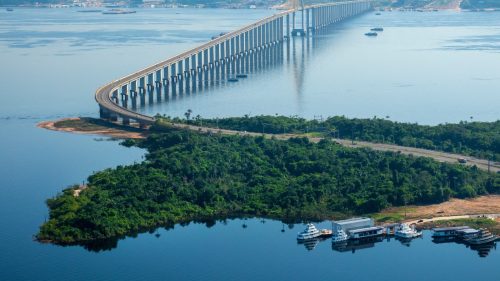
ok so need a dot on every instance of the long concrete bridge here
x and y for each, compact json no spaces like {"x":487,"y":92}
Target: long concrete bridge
{"x":224,"y":57}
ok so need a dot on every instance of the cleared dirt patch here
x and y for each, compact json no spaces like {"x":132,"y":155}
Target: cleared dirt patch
{"x":455,"y":207}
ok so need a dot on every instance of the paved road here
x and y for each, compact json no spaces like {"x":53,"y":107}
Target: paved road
{"x":436,"y":155}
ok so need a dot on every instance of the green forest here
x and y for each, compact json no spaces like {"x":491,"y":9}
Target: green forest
{"x":480,"y":139}
{"x":191,"y":176}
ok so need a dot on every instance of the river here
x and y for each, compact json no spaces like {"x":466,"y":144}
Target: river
{"x":424,"y":67}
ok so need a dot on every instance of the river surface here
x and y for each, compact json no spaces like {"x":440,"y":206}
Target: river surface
{"x":425,"y":67}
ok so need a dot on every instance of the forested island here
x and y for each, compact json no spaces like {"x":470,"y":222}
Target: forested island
{"x":190,"y":175}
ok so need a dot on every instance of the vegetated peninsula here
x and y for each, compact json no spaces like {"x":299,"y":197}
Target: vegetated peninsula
{"x":190,"y":175}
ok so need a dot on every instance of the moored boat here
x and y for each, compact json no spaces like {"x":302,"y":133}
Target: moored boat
{"x":484,"y":236}
{"x":339,"y":236}
{"x":447,"y":231}
{"x":405,"y":231}
{"x":325,"y":233}
{"x":310,"y":232}
{"x":9,"y":10}
{"x":377,"y":29}
{"x":118,"y":12}
{"x":371,"y":34}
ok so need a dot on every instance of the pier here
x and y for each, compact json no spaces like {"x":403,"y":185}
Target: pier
{"x":224,"y":57}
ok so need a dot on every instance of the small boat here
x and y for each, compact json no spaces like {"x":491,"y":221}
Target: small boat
{"x":89,"y":11}
{"x":484,"y":236}
{"x":405,"y":231}
{"x":339,"y":236}
{"x":371,"y":34}
{"x":377,"y":14}
{"x":325,"y":233}
{"x":9,"y":10}
{"x":377,"y":29}
{"x":118,"y":12}
{"x":310,"y":232}
{"x":241,"y":76}
{"x":232,"y":80}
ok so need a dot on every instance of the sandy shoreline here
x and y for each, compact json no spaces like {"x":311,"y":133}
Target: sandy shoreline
{"x":109,"y":132}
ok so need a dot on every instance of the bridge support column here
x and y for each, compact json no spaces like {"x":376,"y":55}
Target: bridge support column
{"x":158,"y":84}
{"x":124,"y":96}
{"x":180,"y":77}
{"x":217,"y":65}
{"x":104,"y":113}
{"x":288,"y":26}
{"x":307,"y":21}
{"x":206,"y":77}
{"x":165,"y":81}
{"x":173,"y":78}
{"x":126,"y":121}
{"x":211,"y":63}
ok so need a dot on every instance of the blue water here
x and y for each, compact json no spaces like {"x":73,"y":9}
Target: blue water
{"x":425,"y":67}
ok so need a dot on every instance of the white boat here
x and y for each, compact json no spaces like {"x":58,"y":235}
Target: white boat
{"x":310,"y":232}
{"x":339,"y":236}
{"x":405,"y":231}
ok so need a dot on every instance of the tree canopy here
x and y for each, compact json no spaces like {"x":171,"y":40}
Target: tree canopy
{"x":188,"y":175}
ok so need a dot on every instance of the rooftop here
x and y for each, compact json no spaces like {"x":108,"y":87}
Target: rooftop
{"x":352,"y":220}
{"x":450,"y":228}
{"x":366,"y":229}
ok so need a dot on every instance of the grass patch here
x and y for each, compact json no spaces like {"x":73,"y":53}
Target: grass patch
{"x":392,"y":216}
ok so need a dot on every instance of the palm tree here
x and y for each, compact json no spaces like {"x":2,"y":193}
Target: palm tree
{"x":188,"y":114}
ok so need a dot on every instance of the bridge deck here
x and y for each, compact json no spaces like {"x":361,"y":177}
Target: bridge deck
{"x":103,"y":95}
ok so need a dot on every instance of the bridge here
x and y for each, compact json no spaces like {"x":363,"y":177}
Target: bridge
{"x":226,"y":56}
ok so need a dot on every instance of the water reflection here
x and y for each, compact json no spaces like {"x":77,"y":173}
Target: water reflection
{"x":356,"y":245}
{"x":311,"y":243}
{"x":482,"y":250}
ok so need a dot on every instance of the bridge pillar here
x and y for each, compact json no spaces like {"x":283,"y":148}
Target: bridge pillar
{"x":247,"y":51}
{"x":194,"y":72}
{"x":142,"y":95}
{"x":165,"y":81}
{"x":180,"y":77}
{"x":211,"y":63}
{"x":104,"y":113}
{"x":233,"y":55}
{"x":307,"y":21}
{"x":124,"y":96}
{"x":126,"y":121}
{"x":237,"y":53}
{"x":199,"y":67}
{"x":133,"y":93}
{"x":217,"y":62}
{"x":158,"y":84}
{"x":187,"y":74}
{"x":287,"y":26}
{"x":173,"y":79}
{"x":313,"y":19}
{"x":205,"y":66}
{"x":113,"y":116}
